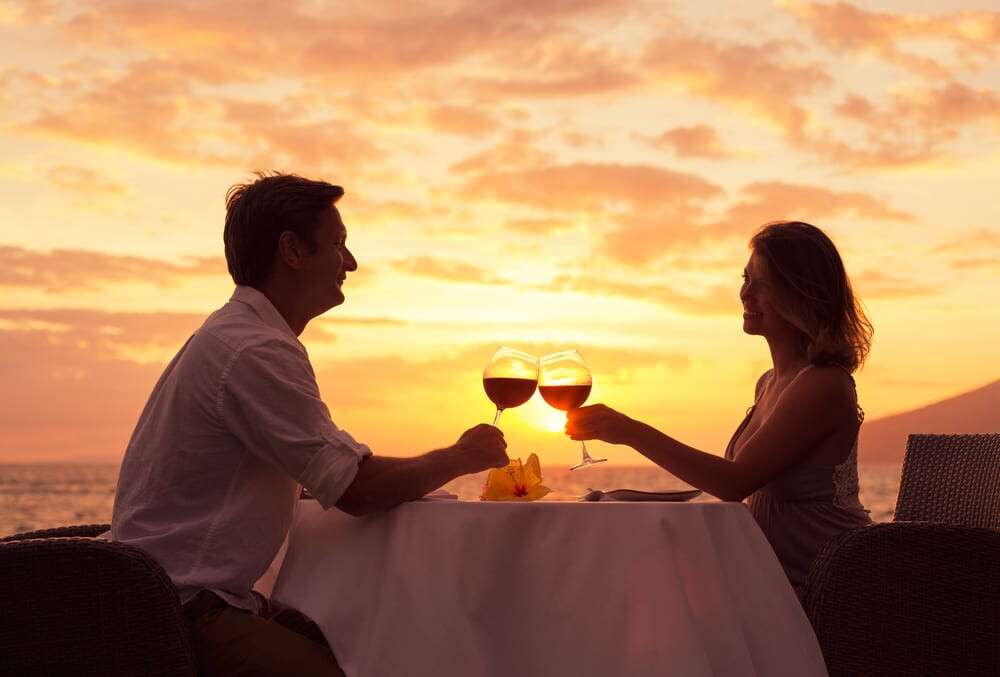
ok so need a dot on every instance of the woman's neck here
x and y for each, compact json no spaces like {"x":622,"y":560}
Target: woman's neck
{"x":788,"y":356}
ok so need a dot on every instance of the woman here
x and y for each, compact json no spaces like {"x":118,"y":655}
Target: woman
{"x":794,"y":456}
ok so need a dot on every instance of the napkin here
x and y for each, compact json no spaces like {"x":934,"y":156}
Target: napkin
{"x":516,"y":482}
{"x":441,"y":493}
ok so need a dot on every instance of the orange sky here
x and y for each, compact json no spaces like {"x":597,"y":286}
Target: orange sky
{"x":544,"y":175}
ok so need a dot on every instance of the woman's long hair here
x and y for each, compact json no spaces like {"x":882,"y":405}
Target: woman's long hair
{"x":814,"y":293}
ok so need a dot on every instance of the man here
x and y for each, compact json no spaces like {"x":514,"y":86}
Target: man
{"x":235,"y":426}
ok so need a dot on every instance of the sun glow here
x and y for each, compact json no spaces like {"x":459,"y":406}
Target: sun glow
{"x":555,"y":421}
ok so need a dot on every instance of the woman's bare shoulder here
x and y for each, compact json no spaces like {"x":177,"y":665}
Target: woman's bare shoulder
{"x":830,"y":385}
{"x":761,"y":382}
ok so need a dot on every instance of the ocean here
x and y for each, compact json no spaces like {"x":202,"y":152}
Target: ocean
{"x":49,"y":495}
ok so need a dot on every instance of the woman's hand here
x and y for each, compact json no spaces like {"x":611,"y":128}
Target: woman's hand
{"x":600,"y":422}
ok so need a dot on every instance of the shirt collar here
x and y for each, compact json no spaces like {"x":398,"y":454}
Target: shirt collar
{"x":263,"y":307}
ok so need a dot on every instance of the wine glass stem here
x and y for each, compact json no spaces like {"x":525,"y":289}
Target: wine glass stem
{"x":586,"y":454}
{"x":497,"y":417}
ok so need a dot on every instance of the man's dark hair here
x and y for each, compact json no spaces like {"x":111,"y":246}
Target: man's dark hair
{"x":258,"y":212}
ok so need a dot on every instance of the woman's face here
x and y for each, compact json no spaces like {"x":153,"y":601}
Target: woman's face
{"x":760,"y":301}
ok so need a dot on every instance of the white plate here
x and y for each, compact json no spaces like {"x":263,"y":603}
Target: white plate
{"x":636,"y":495}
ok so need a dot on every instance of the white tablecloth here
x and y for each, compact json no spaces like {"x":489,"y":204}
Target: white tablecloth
{"x":440,"y":587}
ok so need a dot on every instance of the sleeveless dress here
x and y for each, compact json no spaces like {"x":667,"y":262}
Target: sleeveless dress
{"x":805,"y":505}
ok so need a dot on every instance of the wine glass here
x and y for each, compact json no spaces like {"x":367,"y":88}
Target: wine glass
{"x":564,"y":381}
{"x":509,"y":378}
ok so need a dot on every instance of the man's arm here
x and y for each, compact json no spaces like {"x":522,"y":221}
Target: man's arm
{"x":384,"y":482}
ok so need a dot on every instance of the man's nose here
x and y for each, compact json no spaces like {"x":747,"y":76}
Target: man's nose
{"x":350,"y":263}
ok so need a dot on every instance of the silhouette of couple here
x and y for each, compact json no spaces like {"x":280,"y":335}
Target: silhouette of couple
{"x":235,"y":425}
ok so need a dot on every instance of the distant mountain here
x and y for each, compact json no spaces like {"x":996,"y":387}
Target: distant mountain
{"x":977,"y":411}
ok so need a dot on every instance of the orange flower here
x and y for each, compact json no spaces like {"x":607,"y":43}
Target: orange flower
{"x":516,"y":482}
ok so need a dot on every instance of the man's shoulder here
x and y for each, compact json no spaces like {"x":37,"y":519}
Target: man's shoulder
{"x":236,"y":327}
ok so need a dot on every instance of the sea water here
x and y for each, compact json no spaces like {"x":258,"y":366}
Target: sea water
{"x":48,"y":495}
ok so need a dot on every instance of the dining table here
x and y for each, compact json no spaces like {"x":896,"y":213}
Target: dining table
{"x":483,"y":588}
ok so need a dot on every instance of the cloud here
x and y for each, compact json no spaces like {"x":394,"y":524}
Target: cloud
{"x":74,"y":381}
{"x":913,"y":126}
{"x":871,"y":283}
{"x":449,"y":270}
{"x":971,"y":241}
{"x":641,"y":238}
{"x":153,"y":107}
{"x":562,"y":67}
{"x":87,"y":181}
{"x":517,"y":151}
{"x":717,"y":300}
{"x":539,"y":226}
{"x":62,"y":270}
{"x":698,"y":141}
{"x":848,"y":28}
{"x":756,"y":78}
{"x":589,"y":187}
{"x":105,"y":334}
{"x":461,"y":120}
{"x":765,"y":201}
{"x":356,"y":46}
{"x":982,"y":262}
{"x":270,"y":136}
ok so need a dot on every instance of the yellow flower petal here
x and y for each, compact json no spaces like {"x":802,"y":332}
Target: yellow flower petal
{"x":536,"y":492}
{"x":516,"y":482}
{"x":499,"y":484}
{"x":533,"y":467}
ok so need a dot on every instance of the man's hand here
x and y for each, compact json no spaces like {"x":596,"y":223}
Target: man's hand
{"x":482,"y":447}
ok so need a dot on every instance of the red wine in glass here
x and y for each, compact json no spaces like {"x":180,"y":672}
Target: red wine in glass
{"x":564,"y":381}
{"x":565,"y":397}
{"x":510,"y":378}
{"x":509,"y":392}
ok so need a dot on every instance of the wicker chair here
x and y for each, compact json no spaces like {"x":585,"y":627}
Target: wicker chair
{"x":908,"y":599}
{"x":75,"y":605}
{"x":951,"y":479}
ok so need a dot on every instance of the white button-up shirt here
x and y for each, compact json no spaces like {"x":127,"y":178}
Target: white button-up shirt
{"x":234,"y":426}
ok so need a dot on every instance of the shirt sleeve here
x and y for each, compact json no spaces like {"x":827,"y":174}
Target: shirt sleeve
{"x":271,"y":403}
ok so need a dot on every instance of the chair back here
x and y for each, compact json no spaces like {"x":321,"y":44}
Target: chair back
{"x":951,"y":479}
{"x":908,"y":598}
{"x":82,"y":606}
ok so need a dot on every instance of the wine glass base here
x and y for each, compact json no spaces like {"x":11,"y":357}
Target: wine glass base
{"x":588,"y":462}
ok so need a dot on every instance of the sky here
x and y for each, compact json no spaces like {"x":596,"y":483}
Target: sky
{"x":544,"y":175}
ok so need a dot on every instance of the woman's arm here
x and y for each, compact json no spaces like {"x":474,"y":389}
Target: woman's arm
{"x":810,"y":409}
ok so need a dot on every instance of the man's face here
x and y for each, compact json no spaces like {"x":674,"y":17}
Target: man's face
{"x":327,"y":268}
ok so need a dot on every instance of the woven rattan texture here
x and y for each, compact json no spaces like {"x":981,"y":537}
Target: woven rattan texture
{"x":80,"y":530}
{"x":951,"y":479}
{"x":82,"y":606}
{"x":908,"y":599}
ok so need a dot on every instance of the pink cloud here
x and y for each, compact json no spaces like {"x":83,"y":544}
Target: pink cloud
{"x":518,"y":150}
{"x":589,"y":187}
{"x":87,"y":181}
{"x":850,"y":28}
{"x":697,"y":141}
{"x":914,"y":126}
{"x":757,"y":78}
{"x":448,"y":270}
{"x":461,"y":120}
{"x":873,"y":283}
{"x":971,"y":241}
{"x":717,"y":300}
{"x":67,"y":269}
{"x":641,"y":238}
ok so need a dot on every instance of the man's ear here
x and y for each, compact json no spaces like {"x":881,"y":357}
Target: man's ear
{"x":291,"y":250}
